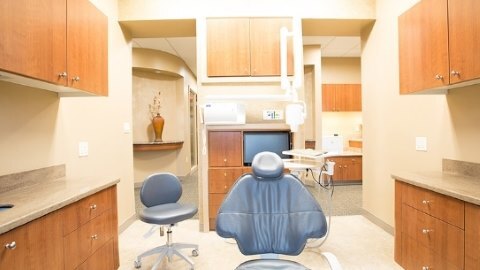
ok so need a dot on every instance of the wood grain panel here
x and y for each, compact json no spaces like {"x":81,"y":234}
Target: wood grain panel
{"x":265,"y":46}
{"x":228,"y":47}
{"x":423,"y":46}
{"x":472,"y":237}
{"x":103,"y":258}
{"x":86,"y":209}
{"x":225,"y":149}
{"x":221,"y":180}
{"x":464,"y":39}
{"x":38,"y":245}
{"x":398,"y":254}
{"x":33,"y":38}
{"x":87,"y":47}
{"x":328,"y":97}
{"x":83,"y":242}
{"x":353,"y":97}
{"x":446,"y":208}
{"x":442,"y":238}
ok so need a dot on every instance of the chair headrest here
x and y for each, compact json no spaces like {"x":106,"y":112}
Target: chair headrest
{"x":267,"y":165}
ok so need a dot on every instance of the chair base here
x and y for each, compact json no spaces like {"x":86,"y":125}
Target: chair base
{"x":168,"y":250}
{"x":270,"y":264}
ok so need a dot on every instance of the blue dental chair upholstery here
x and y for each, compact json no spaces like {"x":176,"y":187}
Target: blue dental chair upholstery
{"x":268,"y":211}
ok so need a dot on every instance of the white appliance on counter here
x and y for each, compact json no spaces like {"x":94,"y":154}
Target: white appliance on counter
{"x":223,"y":114}
{"x":332,"y":144}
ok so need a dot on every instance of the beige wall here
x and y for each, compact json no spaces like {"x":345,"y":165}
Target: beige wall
{"x":148,"y":9}
{"x":391,"y":122}
{"x":174,"y":81}
{"x":40,"y":129}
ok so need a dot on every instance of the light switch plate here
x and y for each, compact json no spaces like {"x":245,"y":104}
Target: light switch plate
{"x":82,"y":149}
{"x":421,"y":143}
{"x":126,"y":128}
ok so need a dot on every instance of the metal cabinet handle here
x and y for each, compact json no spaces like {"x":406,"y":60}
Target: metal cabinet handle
{"x":94,"y":237}
{"x":93,"y":206}
{"x":425,"y":202}
{"x":76,"y":79}
{"x":425,"y":268}
{"x":62,"y":75}
{"x":438,"y":77}
{"x":426,"y":231}
{"x":12,"y":245}
{"x":455,"y":73}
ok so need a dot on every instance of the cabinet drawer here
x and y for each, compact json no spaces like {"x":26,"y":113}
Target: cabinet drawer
{"x":221,"y":180}
{"x":84,"y":241}
{"x":86,"y":209}
{"x":103,"y":258}
{"x":417,"y":256}
{"x":448,"y":209}
{"x":442,"y":238}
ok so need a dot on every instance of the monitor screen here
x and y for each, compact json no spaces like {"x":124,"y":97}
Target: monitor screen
{"x":258,"y":141}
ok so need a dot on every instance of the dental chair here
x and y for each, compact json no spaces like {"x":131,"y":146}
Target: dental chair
{"x":269,"y":212}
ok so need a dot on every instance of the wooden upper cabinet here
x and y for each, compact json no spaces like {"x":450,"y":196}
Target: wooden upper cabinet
{"x":87,"y":47}
{"x":423,"y":45}
{"x":33,"y":38}
{"x":225,"y":149}
{"x":64,"y":42}
{"x":265,"y":46}
{"x":438,"y":44}
{"x":464,"y":40}
{"x":228,"y":47}
{"x":341,"y":97}
{"x":246,"y":47}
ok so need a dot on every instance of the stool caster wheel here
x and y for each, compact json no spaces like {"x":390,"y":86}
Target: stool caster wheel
{"x":195,"y":252}
{"x":137,"y":264}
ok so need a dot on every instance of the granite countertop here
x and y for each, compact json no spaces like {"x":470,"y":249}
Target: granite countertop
{"x":37,"y":200}
{"x":347,"y":153}
{"x":464,"y":188}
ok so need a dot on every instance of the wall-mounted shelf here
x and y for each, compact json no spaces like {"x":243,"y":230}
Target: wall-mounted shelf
{"x":157,"y":146}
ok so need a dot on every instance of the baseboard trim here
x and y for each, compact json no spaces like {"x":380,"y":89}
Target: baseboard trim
{"x":127,"y":223}
{"x":380,"y":223}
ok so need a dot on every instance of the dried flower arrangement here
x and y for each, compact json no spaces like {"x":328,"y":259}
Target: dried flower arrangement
{"x":156,"y":105}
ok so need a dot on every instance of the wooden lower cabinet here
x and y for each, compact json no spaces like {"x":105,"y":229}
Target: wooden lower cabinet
{"x":220,"y":180}
{"x":434,"y":231}
{"x":38,"y":245}
{"x":347,"y":169}
{"x":82,"y":235}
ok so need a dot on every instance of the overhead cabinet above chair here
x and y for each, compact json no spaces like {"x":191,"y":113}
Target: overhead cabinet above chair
{"x":438,"y":43}
{"x":246,"y":46}
{"x":62,"y":42}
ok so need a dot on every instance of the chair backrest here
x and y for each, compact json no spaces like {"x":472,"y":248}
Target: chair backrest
{"x":160,"y":188}
{"x":269,"y":211}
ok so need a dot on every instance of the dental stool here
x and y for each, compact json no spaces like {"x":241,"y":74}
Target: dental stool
{"x":269,"y":212}
{"x":160,"y":194}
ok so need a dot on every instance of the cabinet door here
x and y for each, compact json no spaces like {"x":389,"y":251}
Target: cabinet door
{"x":353,"y":97}
{"x":101,"y":259}
{"x":87,"y":47}
{"x":228,"y":47}
{"x":38,"y":245}
{"x":33,"y":38}
{"x":464,"y":36}
{"x":225,"y":149}
{"x":353,"y":168}
{"x":423,"y":46}
{"x":338,"y":170}
{"x":328,"y":97}
{"x":265,"y":46}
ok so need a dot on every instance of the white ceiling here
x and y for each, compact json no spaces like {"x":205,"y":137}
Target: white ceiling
{"x":185,"y":47}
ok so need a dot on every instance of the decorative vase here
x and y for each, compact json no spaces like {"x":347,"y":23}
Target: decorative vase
{"x":158,"y":122}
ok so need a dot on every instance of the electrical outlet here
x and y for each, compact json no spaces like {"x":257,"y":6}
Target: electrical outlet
{"x":421,"y":143}
{"x":82,"y":149}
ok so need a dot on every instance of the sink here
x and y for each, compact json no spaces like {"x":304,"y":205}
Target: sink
{"x":5,"y":206}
